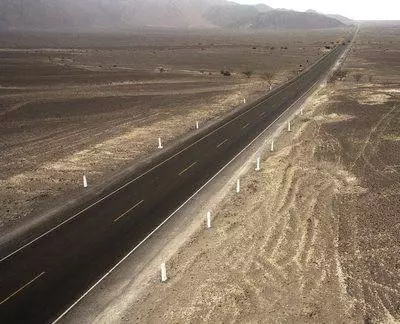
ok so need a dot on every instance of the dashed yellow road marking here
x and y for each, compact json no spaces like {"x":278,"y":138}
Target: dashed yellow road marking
{"x":222,"y":143}
{"x":129,"y":210}
{"x":22,"y":288}
{"x":183,"y":171}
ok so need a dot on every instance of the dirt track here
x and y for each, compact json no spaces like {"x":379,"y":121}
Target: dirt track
{"x":314,"y":236}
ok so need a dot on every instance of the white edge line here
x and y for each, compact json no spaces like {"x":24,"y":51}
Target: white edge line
{"x":178,"y":209}
{"x":133,"y":180}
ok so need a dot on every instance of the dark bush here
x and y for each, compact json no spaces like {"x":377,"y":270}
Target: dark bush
{"x":248,"y":73}
{"x":357,"y":77}
{"x":338,"y":75}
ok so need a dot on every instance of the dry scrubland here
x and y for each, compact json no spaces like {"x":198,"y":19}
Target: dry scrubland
{"x":314,"y":236}
{"x":95,"y":104}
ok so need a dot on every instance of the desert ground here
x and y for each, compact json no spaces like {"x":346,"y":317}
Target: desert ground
{"x":312,"y":237}
{"x":96,"y":104}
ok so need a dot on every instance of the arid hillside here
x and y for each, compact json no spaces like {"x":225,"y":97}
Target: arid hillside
{"x":127,"y":14}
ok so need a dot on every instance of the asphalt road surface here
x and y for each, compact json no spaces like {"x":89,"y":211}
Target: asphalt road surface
{"x":42,"y":279}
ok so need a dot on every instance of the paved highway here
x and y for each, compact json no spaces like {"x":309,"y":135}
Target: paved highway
{"x":43,"y":275}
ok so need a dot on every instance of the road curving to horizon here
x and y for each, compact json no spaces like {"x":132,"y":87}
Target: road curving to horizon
{"x":42,"y":275}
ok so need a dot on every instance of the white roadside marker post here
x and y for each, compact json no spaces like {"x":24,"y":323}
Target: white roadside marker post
{"x":301,"y":112}
{"x":164,"y":277}
{"x":244,"y":100}
{"x":272,"y":146}
{"x":289,"y":126}
{"x":209,"y":219}
{"x":258,"y":164}
{"x":85,"y":183}
{"x":238,"y":186}
{"x":160,"y":143}
{"x":197,"y":125}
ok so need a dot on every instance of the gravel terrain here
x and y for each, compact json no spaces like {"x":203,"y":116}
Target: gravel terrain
{"x":95,"y":104}
{"x":313,"y":236}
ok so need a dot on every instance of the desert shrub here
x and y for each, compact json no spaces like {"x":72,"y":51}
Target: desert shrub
{"x":338,"y":75}
{"x":226,"y":73}
{"x":357,"y":77}
{"x":269,"y":77}
{"x":248,"y":73}
{"x":342,"y":74}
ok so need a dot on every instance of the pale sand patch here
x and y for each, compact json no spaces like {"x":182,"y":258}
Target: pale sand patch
{"x":394,"y":90}
{"x":371,"y":98}
{"x":331,"y":118}
{"x":140,"y":139}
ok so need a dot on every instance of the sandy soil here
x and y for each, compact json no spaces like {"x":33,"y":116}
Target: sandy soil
{"x":95,"y":104}
{"x":312,"y":237}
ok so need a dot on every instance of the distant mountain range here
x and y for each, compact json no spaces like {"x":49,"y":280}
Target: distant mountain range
{"x":343,"y":19}
{"x":117,"y":14}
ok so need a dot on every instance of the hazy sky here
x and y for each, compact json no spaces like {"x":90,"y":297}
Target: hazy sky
{"x":356,"y":9}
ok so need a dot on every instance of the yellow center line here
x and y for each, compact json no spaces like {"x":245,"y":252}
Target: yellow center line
{"x":183,"y":171}
{"x":22,"y":288}
{"x":245,"y":126}
{"x":222,"y":143}
{"x":129,"y":210}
